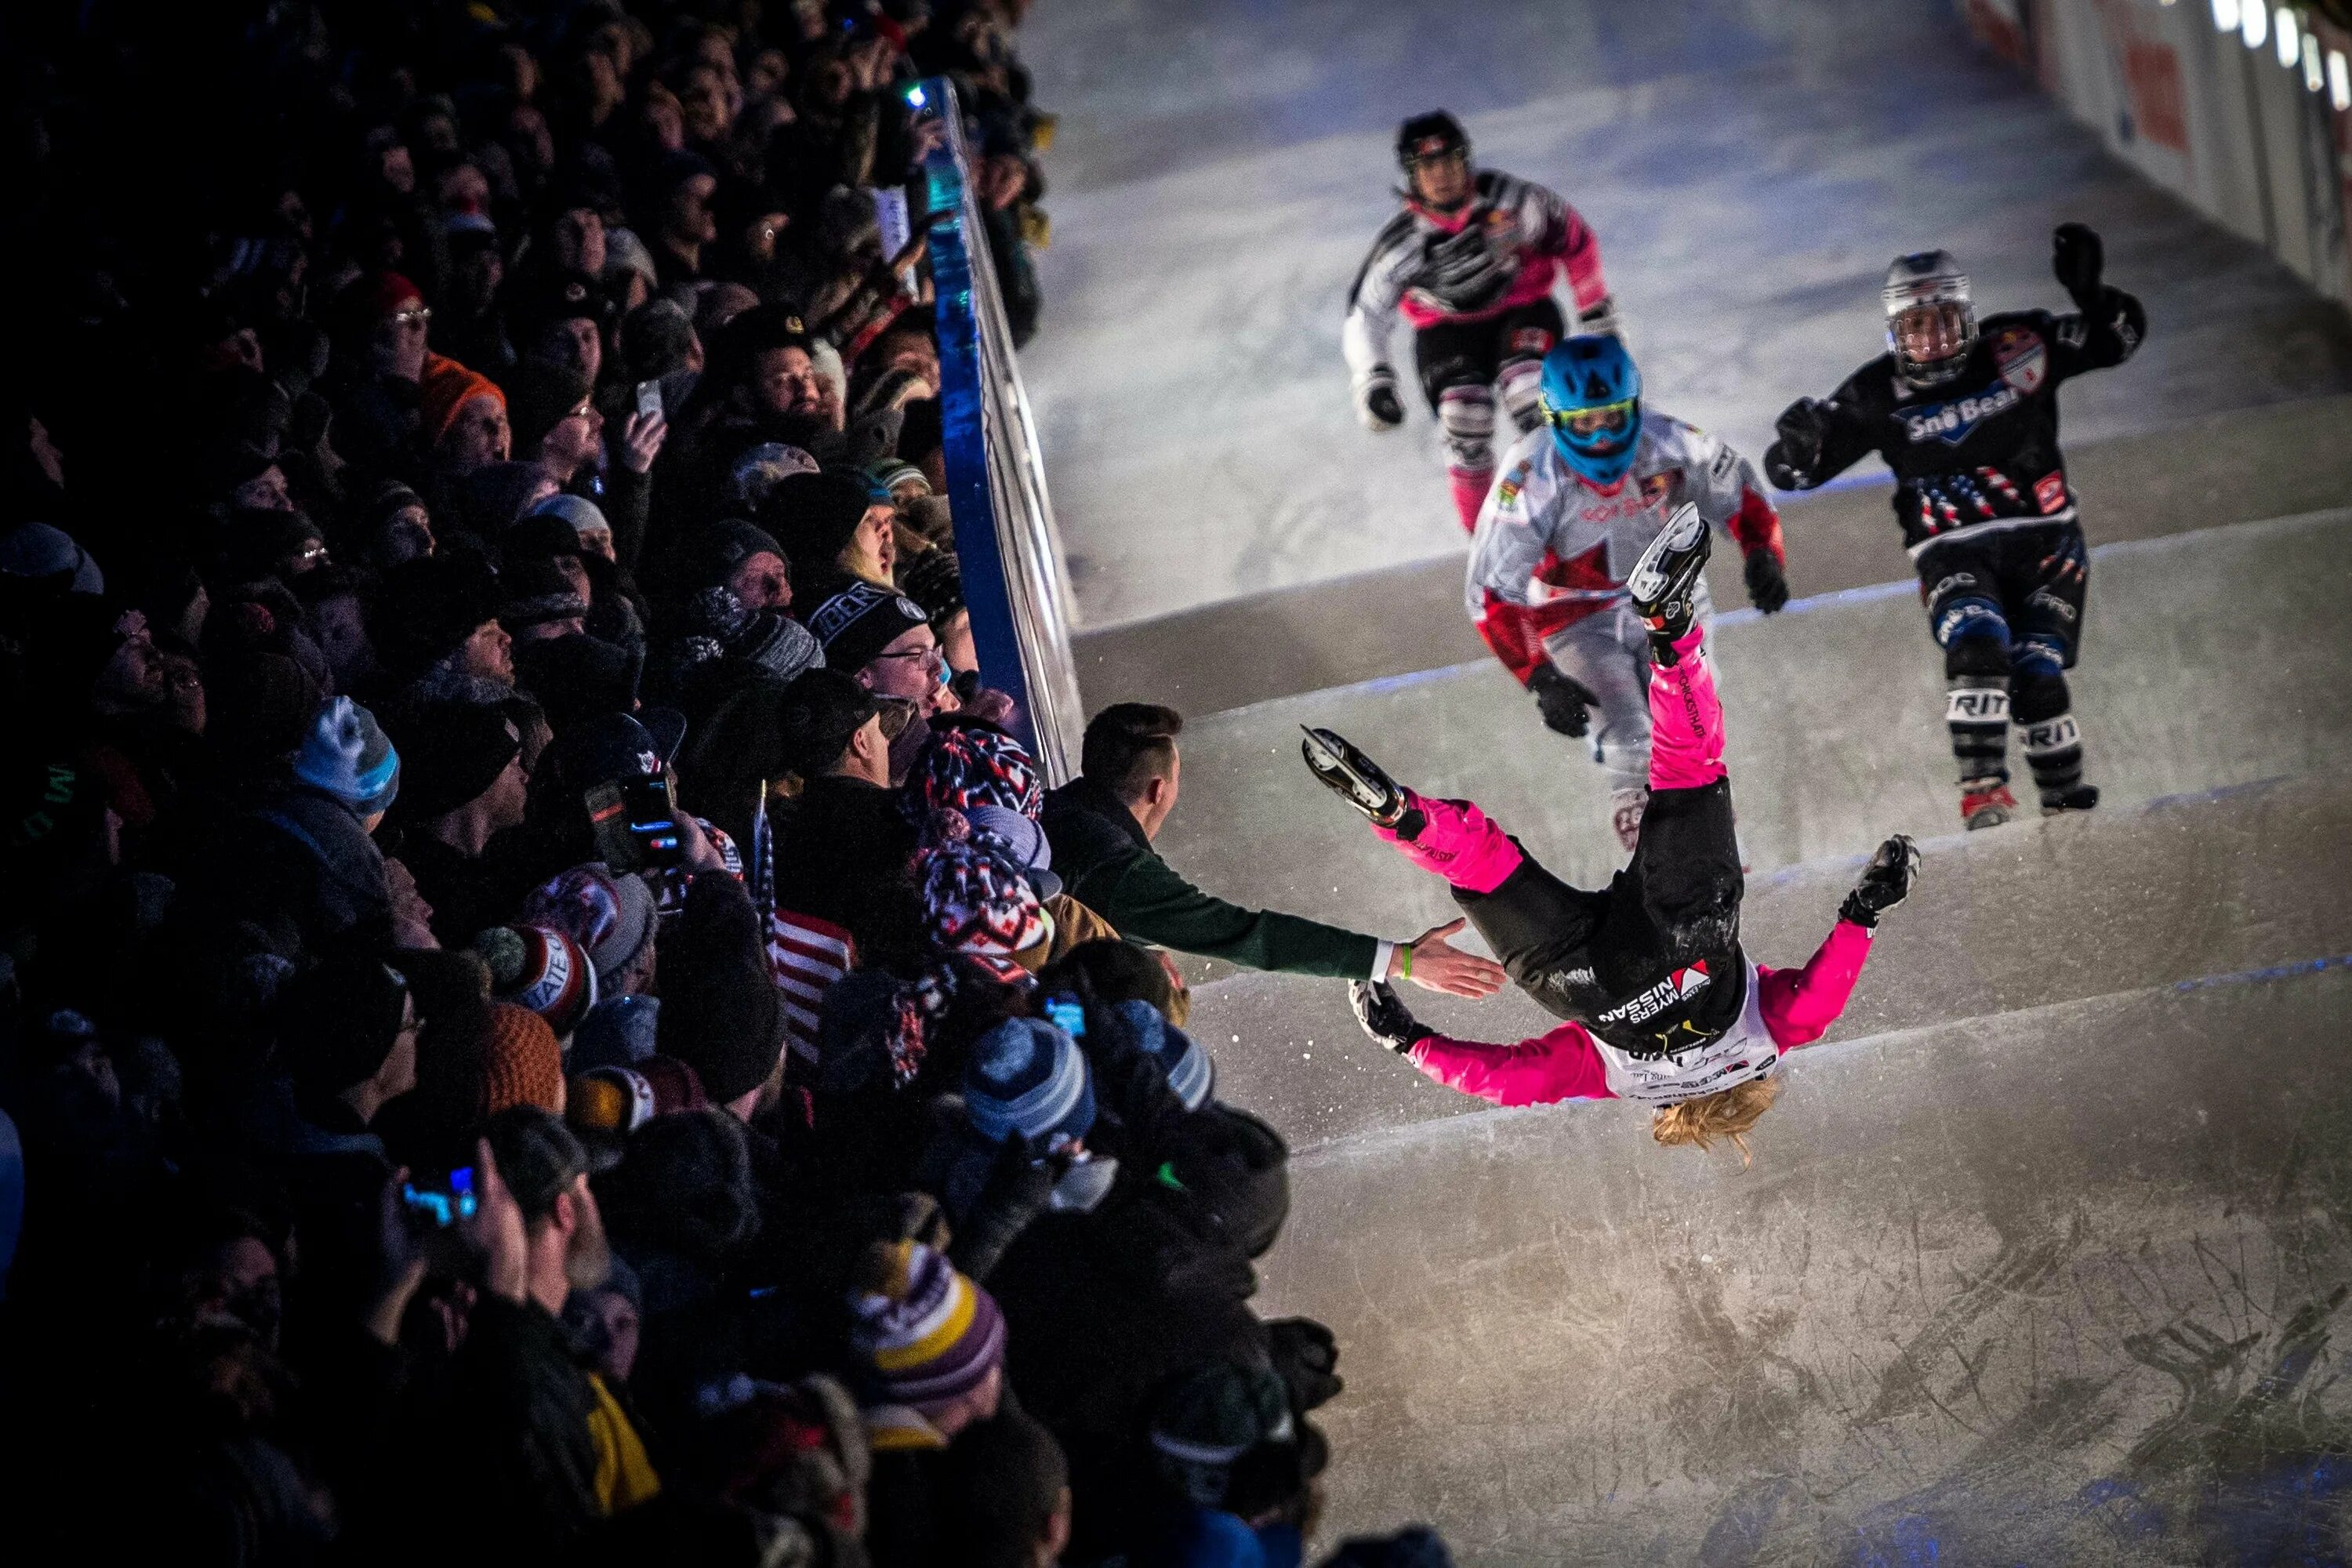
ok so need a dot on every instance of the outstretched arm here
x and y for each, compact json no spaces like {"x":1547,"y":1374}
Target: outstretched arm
{"x":1560,"y":1065}
{"x":1800,"y":1005}
{"x":2111,"y":324}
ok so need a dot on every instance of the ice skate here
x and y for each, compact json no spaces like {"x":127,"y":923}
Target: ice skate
{"x":2080,"y":797}
{"x":1353,"y":776}
{"x":1625,"y":808}
{"x":1663,"y":582}
{"x":1986,"y":803}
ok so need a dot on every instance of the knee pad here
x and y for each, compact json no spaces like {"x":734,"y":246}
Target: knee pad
{"x":2034,"y":696}
{"x":1520,"y":383}
{"x":1981,"y":658}
{"x":1973,"y":618}
{"x":2041,"y":657}
{"x":1467,"y":416}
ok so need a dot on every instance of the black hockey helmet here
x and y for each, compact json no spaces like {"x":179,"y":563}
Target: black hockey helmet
{"x":1434,"y":135}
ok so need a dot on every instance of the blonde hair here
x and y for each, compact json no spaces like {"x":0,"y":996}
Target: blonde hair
{"x":1726,"y":1113}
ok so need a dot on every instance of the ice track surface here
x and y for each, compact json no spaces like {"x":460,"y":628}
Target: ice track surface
{"x":1751,"y":167}
{"x":2046,"y":1255}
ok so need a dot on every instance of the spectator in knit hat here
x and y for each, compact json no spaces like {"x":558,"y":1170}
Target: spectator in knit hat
{"x":933,"y":1346}
{"x":836,"y":530}
{"x":541,"y":602}
{"x":376,"y":372}
{"x":842,"y":843}
{"x":608,"y":1102}
{"x":463,"y":417}
{"x":306,"y":852}
{"x":543,"y":970}
{"x":720,"y":1014}
{"x":436,"y":626}
{"x":980,"y":906}
{"x":395,"y":526}
{"x":757,"y":471}
{"x":554,"y":419}
{"x":541,"y":1449}
{"x":883,"y":639}
{"x":1231,"y":1468}
{"x":588,"y":523}
{"x":465,"y":784}
{"x":741,"y":557}
{"x":611,"y":916}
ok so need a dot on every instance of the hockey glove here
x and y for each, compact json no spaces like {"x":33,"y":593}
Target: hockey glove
{"x":1768,"y":581}
{"x":1387,"y":1020}
{"x":2078,"y":258}
{"x":1790,"y":462}
{"x":1600,"y":319}
{"x":1563,"y":699}
{"x":1376,"y":401}
{"x":1885,"y":882}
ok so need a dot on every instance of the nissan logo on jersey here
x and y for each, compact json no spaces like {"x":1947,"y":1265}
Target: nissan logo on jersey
{"x":1675,"y":988}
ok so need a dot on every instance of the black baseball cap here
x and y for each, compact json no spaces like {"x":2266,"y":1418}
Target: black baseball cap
{"x":819,"y":713}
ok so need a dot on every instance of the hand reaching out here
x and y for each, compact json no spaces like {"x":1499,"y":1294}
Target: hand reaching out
{"x":1433,"y":963}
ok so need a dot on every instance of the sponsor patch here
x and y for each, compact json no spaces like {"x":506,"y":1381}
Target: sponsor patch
{"x":1976,"y":705}
{"x":1952,"y":423}
{"x":1670,"y":992}
{"x":2051,"y":735}
{"x":2023,"y":362}
{"x":1530,"y":341}
{"x":1656,"y":488}
{"x":2050,"y":493}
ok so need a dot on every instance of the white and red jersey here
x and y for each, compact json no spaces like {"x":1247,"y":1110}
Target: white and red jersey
{"x":1783,"y":1009}
{"x":1506,"y":249}
{"x":1551,"y":549}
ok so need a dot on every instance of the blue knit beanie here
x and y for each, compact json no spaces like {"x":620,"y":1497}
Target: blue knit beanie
{"x":1026,"y":1077}
{"x":345,"y":755}
{"x":1189,"y":1071}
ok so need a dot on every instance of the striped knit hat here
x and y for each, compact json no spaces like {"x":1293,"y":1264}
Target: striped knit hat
{"x":539,"y":968}
{"x":930,"y":1335}
{"x":1025,"y":1079}
{"x":979,"y":903}
{"x":1189,"y":1071}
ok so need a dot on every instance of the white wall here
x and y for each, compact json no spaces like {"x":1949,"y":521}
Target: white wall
{"x":2197,"y":110}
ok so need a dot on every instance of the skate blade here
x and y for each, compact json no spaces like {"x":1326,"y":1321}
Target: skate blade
{"x":1652,"y":579}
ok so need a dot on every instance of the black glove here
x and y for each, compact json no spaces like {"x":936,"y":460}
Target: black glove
{"x":1802,"y":427}
{"x":1387,"y":1020}
{"x":1563,"y":699}
{"x":1305,"y":1354}
{"x":1885,"y":882}
{"x":2078,"y":258}
{"x":1377,"y":402}
{"x":1767,"y":584}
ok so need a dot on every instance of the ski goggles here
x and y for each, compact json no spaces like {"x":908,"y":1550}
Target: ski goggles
{"x":1602,"y":420}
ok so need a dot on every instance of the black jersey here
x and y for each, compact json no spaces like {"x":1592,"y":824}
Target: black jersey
{"x":1978,"y":450}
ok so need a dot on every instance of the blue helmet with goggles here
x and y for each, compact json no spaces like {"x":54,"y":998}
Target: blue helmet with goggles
{"x":1591,"y":395}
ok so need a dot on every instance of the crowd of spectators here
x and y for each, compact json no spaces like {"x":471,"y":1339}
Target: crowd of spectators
{"x":537,"y":1019}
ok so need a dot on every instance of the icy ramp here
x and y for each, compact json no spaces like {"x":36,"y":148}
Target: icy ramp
{"x":2062,"y":1285}
{"x":2027,"y":915}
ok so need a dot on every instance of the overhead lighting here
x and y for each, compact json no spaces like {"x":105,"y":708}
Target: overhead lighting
{"x":2289,"y":30}
{"x":2255,"y":23}
{"x":2225,"y":16}
{"x":2313,"y":76}
{"x":2340,"y":80}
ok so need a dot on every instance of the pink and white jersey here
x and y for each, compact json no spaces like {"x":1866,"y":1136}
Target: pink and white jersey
{"x":1506,"y":248}
{"x":1744,"y":1051}
{"x":1551,"y":549}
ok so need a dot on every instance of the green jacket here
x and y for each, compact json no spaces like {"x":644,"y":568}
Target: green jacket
{"x":1108,"y":864}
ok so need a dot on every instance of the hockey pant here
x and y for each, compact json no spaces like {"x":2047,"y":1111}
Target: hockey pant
{"x":1686,"y":871}
{"x":1608,"y":653}
{"x":1464,"y":365}
{"x":2007,"y":609}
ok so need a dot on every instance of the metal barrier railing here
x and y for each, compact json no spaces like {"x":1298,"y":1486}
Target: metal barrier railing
{"x":1015,"y":580}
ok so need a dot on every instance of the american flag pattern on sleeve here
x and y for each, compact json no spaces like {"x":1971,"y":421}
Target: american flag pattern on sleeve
{"x":806,"y":955}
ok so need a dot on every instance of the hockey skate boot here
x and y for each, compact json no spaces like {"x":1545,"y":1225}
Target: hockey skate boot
{"x":2080,"y":797}
{"x":1355,"y":778}
{"x":1663,"y":583}
{"x":1986,"y":803}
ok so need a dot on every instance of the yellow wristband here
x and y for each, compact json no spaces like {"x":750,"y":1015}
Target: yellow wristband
{"x":1404,"y":960}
